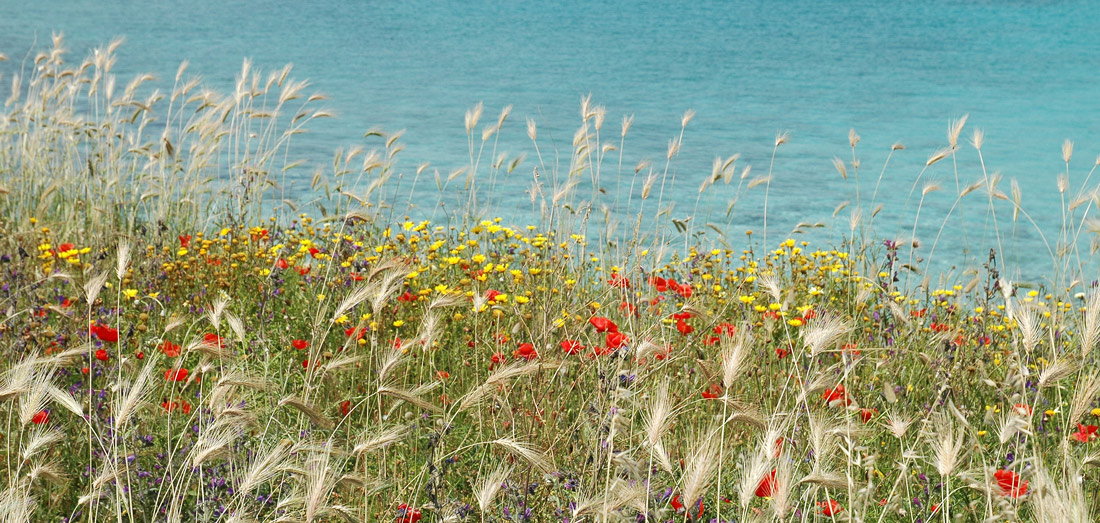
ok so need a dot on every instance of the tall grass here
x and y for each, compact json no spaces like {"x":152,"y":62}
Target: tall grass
{"x":182,"y":345}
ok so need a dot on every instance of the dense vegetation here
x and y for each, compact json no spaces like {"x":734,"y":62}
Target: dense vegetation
{"x":181,"y":344}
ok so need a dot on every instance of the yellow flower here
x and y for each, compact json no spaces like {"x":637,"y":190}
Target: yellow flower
{"x":181,"y":252}
{"x":398,"y":323}
{"x":522,"y":299}
{"x":154,"y":295}
{"x":130,"y":293}
{"x":795,"y":322}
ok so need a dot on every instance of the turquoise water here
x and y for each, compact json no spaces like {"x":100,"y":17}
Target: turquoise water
{"x":1025,"y":71}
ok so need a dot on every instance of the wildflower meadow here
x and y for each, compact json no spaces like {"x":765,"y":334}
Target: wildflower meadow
{"x":184,"y":339}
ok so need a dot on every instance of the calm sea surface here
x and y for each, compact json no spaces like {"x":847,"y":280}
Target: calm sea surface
{"x":1027,"y":73}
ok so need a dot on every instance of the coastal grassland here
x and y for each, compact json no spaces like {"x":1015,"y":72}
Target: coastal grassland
{"x":183,"y":343}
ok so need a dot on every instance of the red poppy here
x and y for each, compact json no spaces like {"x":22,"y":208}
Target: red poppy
{"x":603,"y":324}
{"x":710,"y":341}
{"x":782,"y":352}
{"x":170,"y":406}
{"x":618,"y":280}
{"x":766,"y":486}
{"x":616,"y":339}
{"x":778,"y":447}
{"x":169,"y":349}
{"x":684,"y":328}
{"x":356,"y":276}
{"x":281,"y":264}
{"x":830,"y":508}
{"x":442,"y":374}
{"x":1022,"y":409}
{"x":628,"y":308}
{"x":102,"y":355}
{"x":40,"y":417}
{"x":678,"y":506}
{"x":684,"y":290}
{"x":213,"y":340}
{"x":658,"y":283}
{"x":497,"y":358}
{"x":836,"y":396}
{"x":725,"y":329}
{"x":1085,"y":433}
{"x":572,"y":347}
{"x":849,"y":349}
{"x":302,"y":271}
{"x":356,"y":332}
{"x":104,"y":333}
{"x":65,"y":247}
{"x":299,"y":344}
{"x":1011,"y":484}
{"x":714,"y":391}
{"x":867,"y":414}
{"x":305,"y":364}
{"x":185,"y":241}
{"x":408,"y":296}
{"x":491,"y":295}
{"x":407,"y":514}
{"x":345,"y":407}
{"x":526,"y":351}
{"x":175,"y":374}
{"x":682,"y":315}
{"x":66,"y":303}
{"x":314,"y":251}
{"x":140,"y":355}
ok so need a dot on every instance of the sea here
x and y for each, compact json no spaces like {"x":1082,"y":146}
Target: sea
{"x":1024,"y":72}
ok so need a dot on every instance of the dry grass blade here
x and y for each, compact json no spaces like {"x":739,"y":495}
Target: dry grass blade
{"x":754,"y":467}
{"x":236,"y":325}
{"x":39,"y":439}
{"x":824,"y":333}
{"x":955,"y":129}
{"x":829,"y":480}
{"x":656,"y":417}
{"x":310,"y":412}
{"x":353,"y":299}
{"x":265,"y":467}
{"x":409,"y":397}
{"x":382,"y":440}
{"x":123,"y":259}
{"x":839,"y":164}
{"x":1090,"y":334}
{"x":1056,"y":371}
{"x":136,"y":395}
{"x":700,"y":468}
{"x":211,"y":443}
{"x":66,"y":400}
{"x":734,"y":354}
{"x":505,"y":374}
{"x":93,"y":285}
{"x":1088,"y":388}
{"x":490,"y":486}
{"x":527,"y":452}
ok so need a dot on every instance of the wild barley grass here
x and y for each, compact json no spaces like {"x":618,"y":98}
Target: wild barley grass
{"x":182,"y":345}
